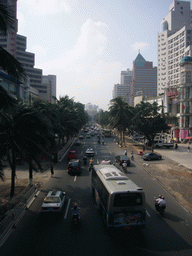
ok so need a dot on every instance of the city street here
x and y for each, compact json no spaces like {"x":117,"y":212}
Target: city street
{"x":170,"y":235}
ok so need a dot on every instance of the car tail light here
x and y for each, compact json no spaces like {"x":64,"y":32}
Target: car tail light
{"x":70,"y":168}
{"x":57,"y":208}
{"x":78,"y":169}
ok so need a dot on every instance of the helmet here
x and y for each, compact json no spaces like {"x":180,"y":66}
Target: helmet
{"x":160,"y":196}
{"x":163,"y":197}
{"x":75,"y":206}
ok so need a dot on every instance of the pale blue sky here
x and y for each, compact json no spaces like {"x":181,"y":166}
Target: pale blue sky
{"x":87,"y":43}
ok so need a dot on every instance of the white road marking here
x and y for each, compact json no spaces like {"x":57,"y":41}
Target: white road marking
{"x":148,"y":214}
{"x":67,"y":209}
{"x":75,"y":178}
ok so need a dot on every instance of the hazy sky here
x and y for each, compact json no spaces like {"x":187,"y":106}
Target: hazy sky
{"x":87,"y":43}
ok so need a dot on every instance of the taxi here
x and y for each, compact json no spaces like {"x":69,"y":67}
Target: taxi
{"x":53,"y":202}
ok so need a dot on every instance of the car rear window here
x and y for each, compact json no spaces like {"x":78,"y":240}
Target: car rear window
{"x":51,"y":199}
{"x":74,"y":164}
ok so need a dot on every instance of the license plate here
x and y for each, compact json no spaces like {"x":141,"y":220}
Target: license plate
{"x":127,"y":228}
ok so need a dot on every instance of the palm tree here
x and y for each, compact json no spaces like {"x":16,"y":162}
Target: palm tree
{"x":12,"y":66}
{"x":24,"y":132}
{"x":120,"y":116}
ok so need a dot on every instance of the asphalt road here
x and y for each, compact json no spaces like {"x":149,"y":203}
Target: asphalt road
{"x":50,"y":235}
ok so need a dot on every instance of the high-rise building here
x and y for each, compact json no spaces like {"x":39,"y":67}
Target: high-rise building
{"x":16,"y":45}
{"x":144,"y":79}
{"x":174,"y":42}
{"x":48,"y":91}
{"x":27,"y":59}
{"x":123,"y":89}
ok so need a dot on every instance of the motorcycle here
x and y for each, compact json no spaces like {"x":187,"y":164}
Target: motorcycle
{"x":85,"y":161}
{"x":75,"y":219}
{"x":98,"y":141}
{"x":159,"y":209}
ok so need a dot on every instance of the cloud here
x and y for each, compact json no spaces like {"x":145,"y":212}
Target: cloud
{"x":44,"y":7}
{"x":39,"y":50}
{"x":83,"y":72}
{"x":139,"y":46}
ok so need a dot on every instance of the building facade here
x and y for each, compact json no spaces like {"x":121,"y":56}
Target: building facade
{"x":144,"y":79}
{"x":123,"y":89}
{"x":16,"y":45}
{"x":174,"y":43}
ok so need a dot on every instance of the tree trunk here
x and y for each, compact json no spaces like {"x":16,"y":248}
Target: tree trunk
{"x":13,"y":172}
{"x":30,"y":171}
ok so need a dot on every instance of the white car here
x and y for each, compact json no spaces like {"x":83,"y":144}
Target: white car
{"x":53,"y":202}
{"x":89,"y":152}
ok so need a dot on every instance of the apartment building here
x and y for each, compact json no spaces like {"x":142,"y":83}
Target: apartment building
{"x":174,"y":44}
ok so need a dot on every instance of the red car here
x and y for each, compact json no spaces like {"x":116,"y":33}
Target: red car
{"x":72,"y":155}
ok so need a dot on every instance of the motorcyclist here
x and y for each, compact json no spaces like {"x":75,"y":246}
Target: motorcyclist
{"x":91,"y":162}
{"x":85,"y":159}
{"x":75,"y":210}
{"x":124,"y":166}
{"x":160,"y":203}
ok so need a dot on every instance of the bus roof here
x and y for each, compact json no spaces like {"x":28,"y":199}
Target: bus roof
{"x":115,"y":180}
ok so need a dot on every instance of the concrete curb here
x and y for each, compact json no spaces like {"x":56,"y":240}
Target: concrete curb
{"x":14,"y":215}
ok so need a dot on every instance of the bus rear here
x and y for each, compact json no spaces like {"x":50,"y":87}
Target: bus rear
{"x":127,"y":209}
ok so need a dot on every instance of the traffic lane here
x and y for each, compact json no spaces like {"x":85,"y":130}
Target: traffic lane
{"x":176,"y":216}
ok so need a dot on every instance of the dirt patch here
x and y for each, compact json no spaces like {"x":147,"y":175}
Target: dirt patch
{"x":176,"y":178}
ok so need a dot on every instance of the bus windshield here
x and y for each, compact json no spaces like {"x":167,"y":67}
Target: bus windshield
{"x":127,"y":199}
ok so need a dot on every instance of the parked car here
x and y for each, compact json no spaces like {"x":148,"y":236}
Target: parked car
{"x":89,"y":152}
{"x":120,"y":159}
{"x":53,"y":202}
{"x":151,"y":156}
{"x":74,"y":167}
{"x":72,"y":155}
{"x":77,"y":143}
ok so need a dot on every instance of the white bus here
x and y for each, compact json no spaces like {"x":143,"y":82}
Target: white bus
{"x":120,"y":200}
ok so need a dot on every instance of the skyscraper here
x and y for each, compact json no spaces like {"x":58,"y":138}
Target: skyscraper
{"x":144,"y":79}
{"x":174,"y":42}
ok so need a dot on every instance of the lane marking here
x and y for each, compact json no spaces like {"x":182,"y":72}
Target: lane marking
{"x":148,"y":214}
{"x":75,"y":178}
{"x":67,"y":209}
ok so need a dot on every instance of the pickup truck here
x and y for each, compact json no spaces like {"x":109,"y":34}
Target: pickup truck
{"x":162,"y":144}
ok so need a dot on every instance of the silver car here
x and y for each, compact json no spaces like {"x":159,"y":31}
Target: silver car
{"x":53,"y":202}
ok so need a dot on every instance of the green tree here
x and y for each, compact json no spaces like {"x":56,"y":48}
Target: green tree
{"x":148,"y":120}
{"x":24,"y":132}
{"x":121,"y":115}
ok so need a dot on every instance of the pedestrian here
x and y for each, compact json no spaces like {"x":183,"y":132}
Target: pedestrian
{"x":188,"y":149}
{"x":125,"y":152}
{"x":52,"y":172}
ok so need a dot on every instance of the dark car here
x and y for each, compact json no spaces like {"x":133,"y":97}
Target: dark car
{"x":120,"y":159}
{"x":81,"y":137}
{"x":74,"y":167}
{"x":77,"y":143}
{"x":151,"y":156}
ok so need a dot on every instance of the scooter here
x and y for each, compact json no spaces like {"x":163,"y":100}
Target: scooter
{"x":160,"y":210}
{"x":75,"y":219}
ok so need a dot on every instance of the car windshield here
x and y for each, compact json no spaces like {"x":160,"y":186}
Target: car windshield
{"x":51,"y":199}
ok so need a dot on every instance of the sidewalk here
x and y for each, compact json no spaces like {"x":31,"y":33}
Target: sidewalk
{"x":179,"y":155}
